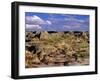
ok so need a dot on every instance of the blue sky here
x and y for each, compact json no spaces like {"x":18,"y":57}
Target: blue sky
{"x":56,"y":22}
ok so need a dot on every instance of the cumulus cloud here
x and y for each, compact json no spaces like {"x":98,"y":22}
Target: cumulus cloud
{"x":36,"y":20}
{"x":69,"y":23}
{"x":33,"y":27}
{"x":56,"y":22}
{"x":49,"y":22}
{"x":34,"y":23}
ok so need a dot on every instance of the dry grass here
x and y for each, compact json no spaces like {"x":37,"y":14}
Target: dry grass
{"x":56,"y":49}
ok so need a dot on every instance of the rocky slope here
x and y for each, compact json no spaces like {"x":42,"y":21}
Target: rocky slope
{"x":45,"y":49}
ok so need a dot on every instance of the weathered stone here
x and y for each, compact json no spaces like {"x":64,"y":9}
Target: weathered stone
{"x":44,"y":35}
{"x":45,"y":49}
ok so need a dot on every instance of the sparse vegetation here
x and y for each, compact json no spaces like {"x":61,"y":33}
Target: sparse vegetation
{"x":44,"y":49}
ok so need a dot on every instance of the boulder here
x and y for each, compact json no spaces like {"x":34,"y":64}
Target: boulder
{"x":44,"y":35}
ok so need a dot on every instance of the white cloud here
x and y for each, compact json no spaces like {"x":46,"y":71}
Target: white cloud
{"x":73,"y":25}
{"x":36,"y":20}
{"x":33,"y":27}
{"x":36,"y":17}
{"x":34,"y":23}
{"x":72,"y":19}
{"x":49,"y":22}
{"x":67,"y":26}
